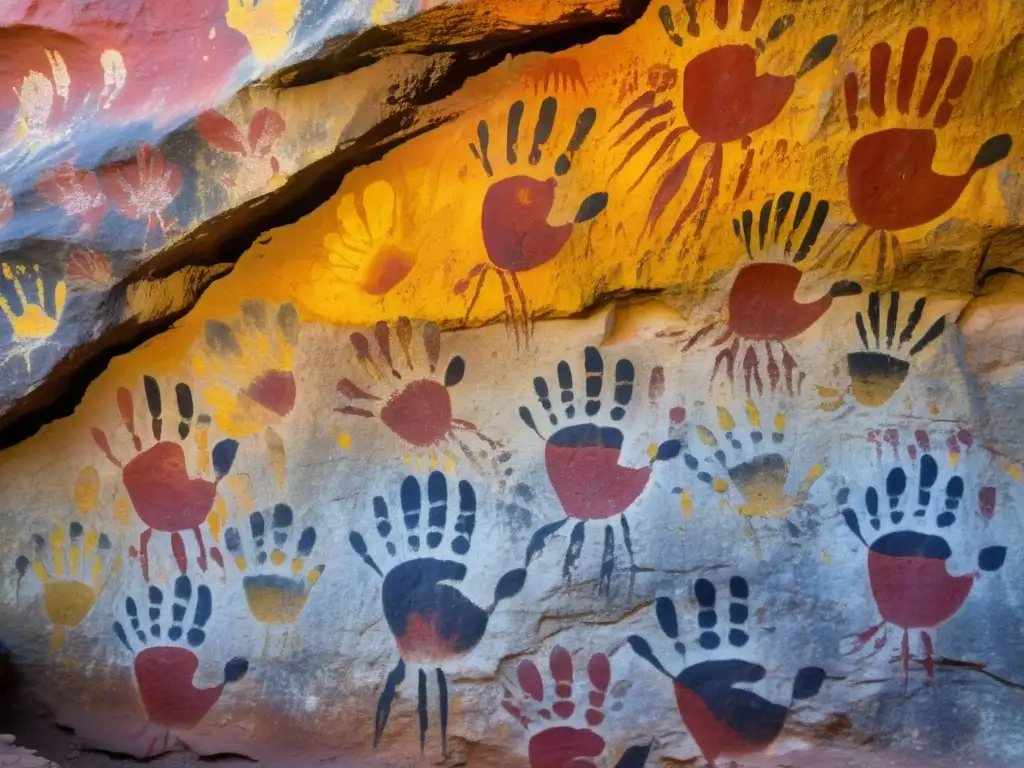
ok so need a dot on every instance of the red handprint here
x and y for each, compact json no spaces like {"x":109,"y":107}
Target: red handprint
{"x":143,"y":188}
{"x":266,"y":127}
{"x":418,"y":409}
{"x":563,"y":733}
{"x":890,"y":180}
{"x":584,"y":452}
{"x":78,"y":192}
{"x":763,"y":309}
{"x":165,"y":496}
{"x":517,"y":233}
{"x":165,"y":640}
{"x":724,"y":100}
{"x":909,"y":545}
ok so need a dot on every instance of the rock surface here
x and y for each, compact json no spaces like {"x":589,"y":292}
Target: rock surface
{"x":121,"y":163}
{"x":653,"y":401}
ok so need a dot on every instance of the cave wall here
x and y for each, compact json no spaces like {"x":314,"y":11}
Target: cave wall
{"x":651,"y":401}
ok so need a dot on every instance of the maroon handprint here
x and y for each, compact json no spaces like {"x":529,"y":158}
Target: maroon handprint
{"x":166,"y":497}
{"x":724,"y":100}
{"x":889,"y":174}
{"x":515,"y":217}
{"x":764,"y":310}
{"x":564,"y":733}
{"x":413,"y":400}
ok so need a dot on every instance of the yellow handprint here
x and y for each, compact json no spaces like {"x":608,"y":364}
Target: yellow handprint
{"x":266,"y":23}
{"x":35,"y":317}
{"x":80,"y":565}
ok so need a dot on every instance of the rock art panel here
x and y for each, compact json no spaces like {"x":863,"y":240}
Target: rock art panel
{"x":742,"y":414}
{"x":109,"y":143}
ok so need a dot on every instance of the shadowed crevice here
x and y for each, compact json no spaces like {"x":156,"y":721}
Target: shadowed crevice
{"x":975,"y":666}
{"x":477,"y":36}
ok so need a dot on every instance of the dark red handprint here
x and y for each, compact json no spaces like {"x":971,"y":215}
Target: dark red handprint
{"x":907,"y":563}
{"x":165,"y":496}
{"x":419,"y":408}
{"x":891,"y":183}
{"x":763,"y":308}
{"x":582,"y":457}
{"x":517,"y":233}
{"x":724,"y":100}
{"x":165,"y":641}
{"x":430,"y":618}
{"x":564,"y":733}
{"x":724,"y":719}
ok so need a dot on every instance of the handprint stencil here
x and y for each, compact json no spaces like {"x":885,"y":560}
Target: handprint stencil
{"x":910,"y":543}
{"x":516,"y":215}
{"x":422,"y":597}
{"x":248,"y":366}
{"x":418,"y":409}
{"x":879,"y":368}
{"x":753,"y":462}
{"x":763,"y":309}
{"x":164,"y":639}
{"x":276,"y":584}
{"x":77,"y":191}
{"x":268,"y":26}
{"x":890,"y":180}
{"x":33,"y":306}
{"x":565,"y":733}
{"x":166,"y":497}
{"x":371,"y":247}
{"x":258,"y":168}
{"x":724,"y":101}
{"x":582,"y":455}
{"x":143,"y":188}
{"x":725,"y":719}
{"x":74,"y":570}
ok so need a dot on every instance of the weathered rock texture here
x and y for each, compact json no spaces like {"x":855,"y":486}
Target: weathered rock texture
{"x":654,"y":401}
{"x":127,"y":151}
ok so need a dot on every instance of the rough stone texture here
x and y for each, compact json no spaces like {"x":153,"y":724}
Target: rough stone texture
{"x":691,"y":351}
{"x":121,"y":162}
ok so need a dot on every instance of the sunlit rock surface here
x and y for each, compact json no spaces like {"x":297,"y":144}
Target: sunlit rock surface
{"x":648,"y":398}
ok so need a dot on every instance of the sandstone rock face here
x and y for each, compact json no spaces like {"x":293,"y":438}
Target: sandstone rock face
{"x":651,"y":402}
{"x":128,"y":130}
